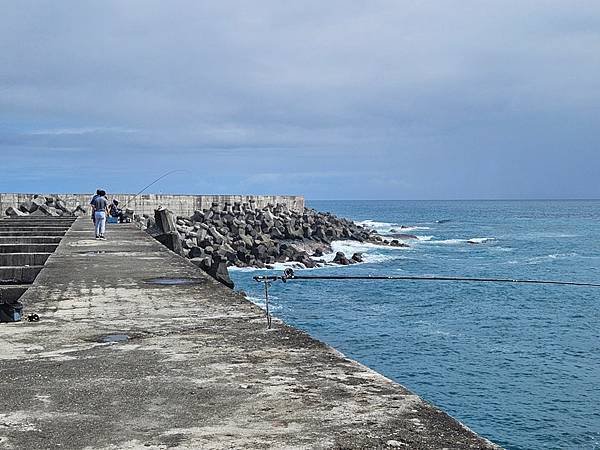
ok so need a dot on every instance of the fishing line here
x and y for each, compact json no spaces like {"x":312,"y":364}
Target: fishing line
{"x":152,"y":184}
{"x":289,"y":275}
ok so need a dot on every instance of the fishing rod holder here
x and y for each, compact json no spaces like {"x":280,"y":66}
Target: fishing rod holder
{"x":288,"y":274}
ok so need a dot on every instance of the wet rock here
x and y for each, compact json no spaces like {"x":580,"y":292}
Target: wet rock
{"x":357,"y":257}
{"x":340,"y":258}
{"x":397,"y":243}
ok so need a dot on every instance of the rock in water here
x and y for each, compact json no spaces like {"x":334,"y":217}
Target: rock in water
{"x":340,"y":258}
{"x":357,"y":257}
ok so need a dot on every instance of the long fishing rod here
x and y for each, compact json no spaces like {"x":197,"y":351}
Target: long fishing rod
{"x":289,"y":275}
{"x":152,"y":184}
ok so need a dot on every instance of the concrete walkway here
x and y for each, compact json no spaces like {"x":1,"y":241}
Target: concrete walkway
{"x":118,"y":361}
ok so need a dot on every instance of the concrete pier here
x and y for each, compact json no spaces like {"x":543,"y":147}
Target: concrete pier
{"x":137,"y":348}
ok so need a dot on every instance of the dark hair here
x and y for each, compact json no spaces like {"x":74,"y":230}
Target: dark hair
{"x":98,"y":192}
{"x":115,"y":201}
{"x":102,"y":192}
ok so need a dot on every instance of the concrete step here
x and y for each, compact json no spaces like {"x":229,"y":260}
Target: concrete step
{"x":23,"y":259}
{"x":42,"y":229}
{"x":27,"y":248}
{"x":38,"y":219}
{"x":58,"y":233}
{"x":48,"y":221}
{"x":9,"y":294}
{"x":19,"y":274}
{"x":30,"y":239}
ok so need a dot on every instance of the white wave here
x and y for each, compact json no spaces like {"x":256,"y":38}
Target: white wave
{"x":389,"y":227}
{"x":375,"y":225}
{"x":503,"y":249}
{"x":474,"y":240}
{"x":424,"y":238}
{"x":260,"y":302}
{"x":369,"y":251}
{"x":542,"y":258}
{"x":480,"y":240}
{"x":275,"y":266}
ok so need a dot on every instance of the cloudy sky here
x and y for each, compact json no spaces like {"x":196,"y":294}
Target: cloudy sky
{"x":331,"y":99}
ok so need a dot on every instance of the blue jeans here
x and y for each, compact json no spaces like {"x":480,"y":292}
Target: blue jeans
{"x":100,"y":225}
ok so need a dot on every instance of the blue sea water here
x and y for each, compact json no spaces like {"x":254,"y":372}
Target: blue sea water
{"x":519,"y":364}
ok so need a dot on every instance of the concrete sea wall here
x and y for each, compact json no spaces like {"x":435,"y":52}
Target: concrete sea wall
{"x":183,"y":205}
{"x":135,"y":347}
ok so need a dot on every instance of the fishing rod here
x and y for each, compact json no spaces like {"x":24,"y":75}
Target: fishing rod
{"x":289,"y":275}
{"x":152,"y":184}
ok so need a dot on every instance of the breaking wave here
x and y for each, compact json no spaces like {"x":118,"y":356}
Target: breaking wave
{"x":474,"y":240}
{"x":371,"y":253}
{"x":389,"y":227}
{"x":542,"y":259}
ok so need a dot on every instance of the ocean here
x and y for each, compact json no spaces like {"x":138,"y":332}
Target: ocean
{"x":518,"y":364}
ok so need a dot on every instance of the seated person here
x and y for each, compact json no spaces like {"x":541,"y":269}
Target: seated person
{"x":115,"y":211}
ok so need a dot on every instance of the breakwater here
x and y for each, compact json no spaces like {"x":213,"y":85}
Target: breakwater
{"x":242,"y":235}
{"x":130,"y":333}
{"x":181,"y":205}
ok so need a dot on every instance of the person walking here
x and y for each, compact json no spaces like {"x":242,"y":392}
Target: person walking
{"x":100,"y":208}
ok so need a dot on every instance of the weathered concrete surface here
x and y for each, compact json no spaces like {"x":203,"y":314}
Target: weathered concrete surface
{"x":23,"y":259}
{"x":10,"y":293}
{"x":27,"y":248}
{"x":183,"y":205}
{"x":30,"y":232}
{"x":29,"y":239}
{"x":19,"y":274}
{"x":199,"y":368}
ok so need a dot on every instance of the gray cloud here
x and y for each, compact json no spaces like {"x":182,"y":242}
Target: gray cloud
{"x":418,"y":99}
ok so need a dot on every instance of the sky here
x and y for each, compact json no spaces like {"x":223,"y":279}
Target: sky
{"x":399,"y":99}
